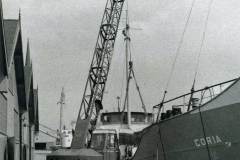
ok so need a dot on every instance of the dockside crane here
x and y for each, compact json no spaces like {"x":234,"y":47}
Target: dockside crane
{"x":94,"y":89}
{"x":93,"y":94}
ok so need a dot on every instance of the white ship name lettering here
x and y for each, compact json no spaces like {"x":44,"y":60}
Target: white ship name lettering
{"x":198,"y":142}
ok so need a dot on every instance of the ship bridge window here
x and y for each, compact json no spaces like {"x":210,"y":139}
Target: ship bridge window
{"x":133,"y":119}
{"x":106,"y":119}
{"x":98,"y":141}
{"x":138,"y":118}
{"x":111,"y":140}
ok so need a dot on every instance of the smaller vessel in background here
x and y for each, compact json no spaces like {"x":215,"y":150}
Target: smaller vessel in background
{"x":66,"y":138}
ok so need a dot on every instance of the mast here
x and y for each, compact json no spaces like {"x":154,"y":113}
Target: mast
{"x":61,"y":102}
{"x":130,"y":74}
{"x":127,"y":39}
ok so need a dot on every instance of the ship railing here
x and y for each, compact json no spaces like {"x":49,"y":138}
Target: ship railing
{"x":193,"y":99}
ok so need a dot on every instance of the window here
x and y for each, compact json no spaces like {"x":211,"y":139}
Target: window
{"x":98,"y":141}
{"x":111,"y":140}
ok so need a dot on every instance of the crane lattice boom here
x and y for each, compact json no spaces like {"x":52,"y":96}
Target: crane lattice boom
{"x":94,"y":89}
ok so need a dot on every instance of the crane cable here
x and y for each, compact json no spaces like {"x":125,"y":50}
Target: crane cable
{"x":176,"y":55}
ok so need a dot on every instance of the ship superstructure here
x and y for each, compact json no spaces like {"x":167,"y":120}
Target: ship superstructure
{"x":128,"y":135}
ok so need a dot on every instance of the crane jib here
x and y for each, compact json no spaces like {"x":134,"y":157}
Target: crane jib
{"x":98,"y":73}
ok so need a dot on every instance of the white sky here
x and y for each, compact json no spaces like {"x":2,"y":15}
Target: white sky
{"x":63,"y":36}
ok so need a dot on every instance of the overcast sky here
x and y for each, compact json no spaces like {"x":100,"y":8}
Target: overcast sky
{"x":63,"y":35}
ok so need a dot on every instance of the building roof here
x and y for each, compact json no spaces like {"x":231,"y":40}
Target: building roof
{"x":28,"y":77}
{"x":31,"y":93}
{"x":11,"y":29}
{"x":27,"y":96}
{"x":3,"y":60}
{"x":13,"y":40}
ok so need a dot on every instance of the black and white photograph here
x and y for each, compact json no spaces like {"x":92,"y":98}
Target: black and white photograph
{"x":119,"y":80}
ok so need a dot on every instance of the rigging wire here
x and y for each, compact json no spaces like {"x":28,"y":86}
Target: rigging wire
{"x":203,"y":39}
{"x":44,"y":126}
{"x":48,"y":134}
{"x":196,"y":72}
{"x":180,"y":45}
{"x":176,"y":55}
{"x":200,"y":51}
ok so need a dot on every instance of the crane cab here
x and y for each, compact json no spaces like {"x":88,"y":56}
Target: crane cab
{"x":105,"y":141}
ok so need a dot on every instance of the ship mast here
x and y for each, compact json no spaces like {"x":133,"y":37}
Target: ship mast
{"x":61,"y":102}
{"x":130,"y":73}
{"x":127,"y":39}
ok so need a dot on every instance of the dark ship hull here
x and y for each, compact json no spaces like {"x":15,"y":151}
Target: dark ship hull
{"x":209,"y":132}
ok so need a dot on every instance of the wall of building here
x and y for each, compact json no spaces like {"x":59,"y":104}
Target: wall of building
{"x":3,"y":126}
{"x":3,"y":115}
{"x":3,"y":108}
{"x":16,"y":132}
{"x":13,"y":110}
{"x":25,"y":132}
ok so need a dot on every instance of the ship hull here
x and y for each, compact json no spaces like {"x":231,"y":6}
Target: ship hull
{"x":209,"y":132}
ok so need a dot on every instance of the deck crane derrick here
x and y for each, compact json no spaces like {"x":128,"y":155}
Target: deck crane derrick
{"x":91,"y":103}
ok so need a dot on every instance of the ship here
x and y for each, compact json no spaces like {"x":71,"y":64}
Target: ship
{"x":208,"y":130}
{"x":128,"y":135}
{"x":127,"y":124}
{"x":108,"y":135}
